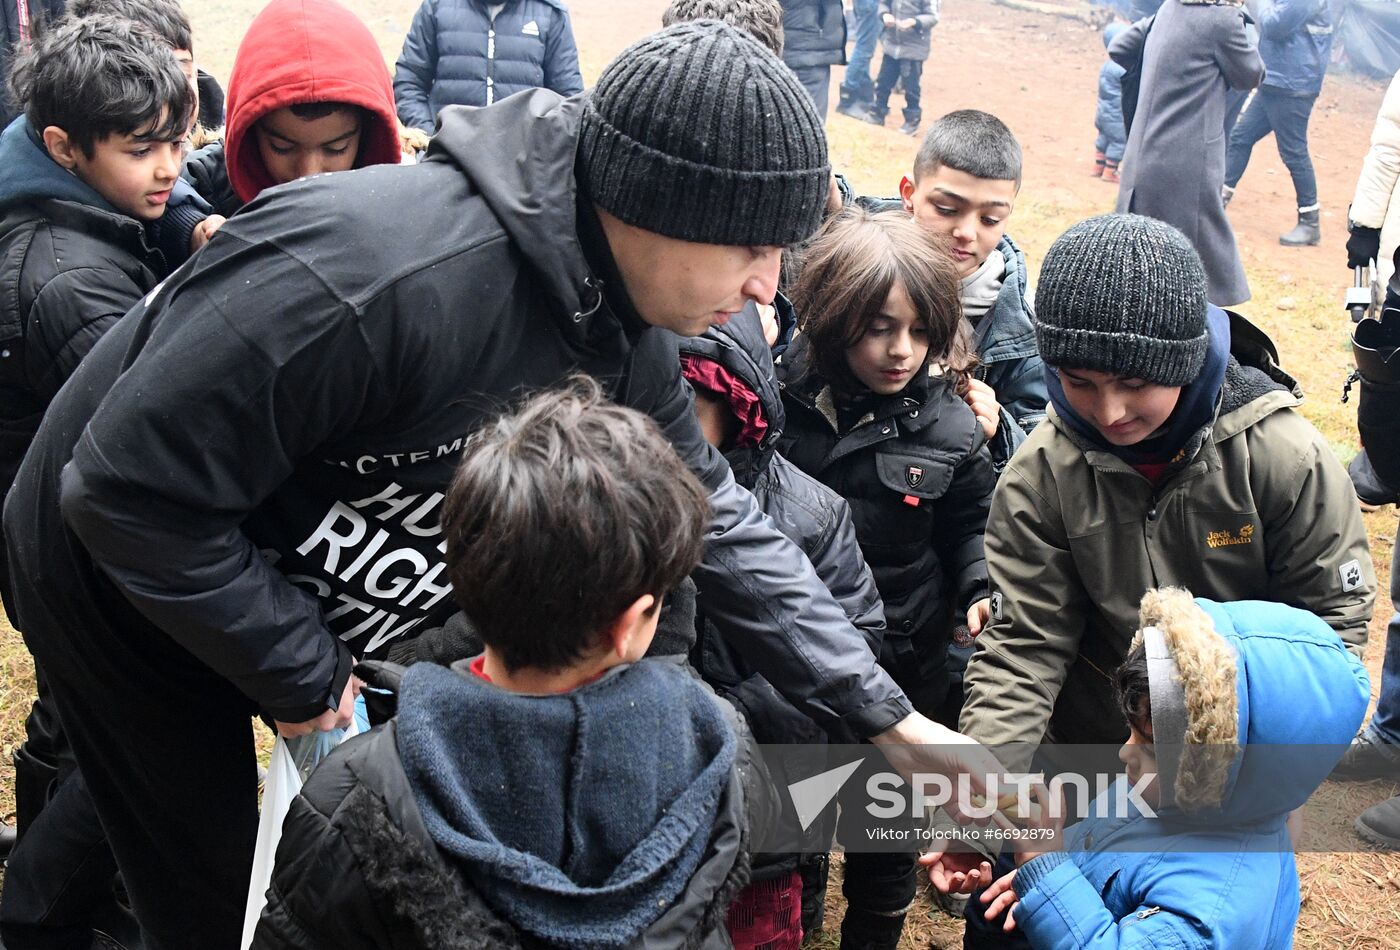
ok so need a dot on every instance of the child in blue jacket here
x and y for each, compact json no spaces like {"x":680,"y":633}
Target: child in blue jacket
{"x":1240,"y":710}
{"x":1108,"y":117}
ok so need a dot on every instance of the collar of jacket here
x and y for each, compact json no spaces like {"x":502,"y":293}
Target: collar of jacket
{"x":913,"y":409}
{"x":527,"y":179}
{"x":1011,"y":335}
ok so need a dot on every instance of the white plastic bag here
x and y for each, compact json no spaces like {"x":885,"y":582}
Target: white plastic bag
{"x":283,"y":784}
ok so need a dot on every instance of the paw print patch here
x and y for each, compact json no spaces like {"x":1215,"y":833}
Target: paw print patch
{"x":1351,"y":576}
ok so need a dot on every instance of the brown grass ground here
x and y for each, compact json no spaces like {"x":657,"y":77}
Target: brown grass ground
{"x":1039,"y":74}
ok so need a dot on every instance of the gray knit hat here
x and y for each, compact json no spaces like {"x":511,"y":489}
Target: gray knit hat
{"x":700,"y":133}
{"x":1126,"y":295}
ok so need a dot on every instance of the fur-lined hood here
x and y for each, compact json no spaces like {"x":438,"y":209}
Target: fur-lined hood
{"x":1253,"y":703}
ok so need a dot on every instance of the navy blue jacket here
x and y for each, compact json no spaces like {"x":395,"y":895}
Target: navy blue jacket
{"x":1295,"y":42}
{"x":456,"y":54}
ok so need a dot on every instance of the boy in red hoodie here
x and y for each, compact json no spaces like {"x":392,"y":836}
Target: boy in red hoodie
{"x":309,"y":94}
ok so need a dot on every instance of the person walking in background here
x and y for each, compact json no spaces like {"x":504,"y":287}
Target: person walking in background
{"x":857,"y":88}
{"x":19,"y":20}
{"x":1108,"y":117}
{"x":814,"y":34}
{"x":1174,"y":165}
{"x":474,"y":53}
{"x":906,"y":43}
{"x":1295,"y":42}
{"x":1374,"y":217}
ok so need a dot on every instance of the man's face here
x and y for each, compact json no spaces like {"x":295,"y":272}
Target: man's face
{"x":292,"y":147}
{"x":1125,"y":411}
{"x":686,"y":287}
{"x":970,"y":211}
{"x":133,"y":175}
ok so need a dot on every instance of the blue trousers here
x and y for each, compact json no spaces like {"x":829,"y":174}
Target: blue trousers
{"x":1385,"y":721}
{"x":858,"y":86}
{"x":1287,"y":117}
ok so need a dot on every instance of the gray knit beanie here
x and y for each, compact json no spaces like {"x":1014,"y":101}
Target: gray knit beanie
{"x":1126,"y":295}
{"x":700,"y":133}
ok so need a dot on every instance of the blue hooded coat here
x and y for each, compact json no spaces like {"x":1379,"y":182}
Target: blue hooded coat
{"x":1219,"y":877}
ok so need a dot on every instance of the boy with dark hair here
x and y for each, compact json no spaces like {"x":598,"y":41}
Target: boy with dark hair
{"x":85,"y":176}
{"x":188,"y":223}
{"x":1236,"y":713}
{"x":167,"y":20}
{"x":633,"y":830}
{"x":761,"y":19}
{"x":963,"y":186}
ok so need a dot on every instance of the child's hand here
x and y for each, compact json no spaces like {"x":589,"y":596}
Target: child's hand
{"x":982,"y":399}
{"x":908,"y":24}
{"x":978,"y":615}
{"x":1001,"y":896}
{"x":1045,"y":823}
{"x":956,"y":872}
{"x":888,"y":19}
{"x":204,"y":230}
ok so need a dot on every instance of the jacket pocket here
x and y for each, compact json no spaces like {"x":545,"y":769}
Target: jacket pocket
{"x":925,"y":475}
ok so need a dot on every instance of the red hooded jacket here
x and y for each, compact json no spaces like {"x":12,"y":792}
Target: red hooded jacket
{"x":300,"y":51}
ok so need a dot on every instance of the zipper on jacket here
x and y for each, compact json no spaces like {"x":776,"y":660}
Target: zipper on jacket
{"x":491,"y":61}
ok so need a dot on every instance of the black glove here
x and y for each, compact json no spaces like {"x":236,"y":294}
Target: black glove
{"x":1363,"y":246}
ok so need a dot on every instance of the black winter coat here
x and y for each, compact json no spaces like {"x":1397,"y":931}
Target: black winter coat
{"x":70,"y":271}
{"x":292,"y":521}
{"x":456,"y":54}
{"x":918,"y":477}
{"x":357,"y":868}
{"x":814,"y":33}
{"x":207,"y":170}
{"x":41,"y":12}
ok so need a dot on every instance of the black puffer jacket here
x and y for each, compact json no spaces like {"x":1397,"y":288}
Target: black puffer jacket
{"x":207,"y":171}
{"x":357,"y":868}
{"x":814,"y":33}
{"x":919,"y":479}
{"x":336,"y":381}
{"x":70,"y":267}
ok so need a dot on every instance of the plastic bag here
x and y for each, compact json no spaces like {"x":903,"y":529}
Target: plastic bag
{"x":292,"y":760}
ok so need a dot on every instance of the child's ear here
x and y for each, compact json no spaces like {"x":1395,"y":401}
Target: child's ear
{"x":60,"y":147}
{"x":906,"y":193}
{"x":631,"y":633}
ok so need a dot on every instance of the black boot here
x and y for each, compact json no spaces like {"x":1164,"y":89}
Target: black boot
{"x":1306,"y":233}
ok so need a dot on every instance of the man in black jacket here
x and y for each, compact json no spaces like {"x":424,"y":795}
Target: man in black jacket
{"x":20,"y":20}
{"x":239,"y":490}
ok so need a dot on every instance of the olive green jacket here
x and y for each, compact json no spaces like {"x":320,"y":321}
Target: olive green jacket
{"x":1262,"y":510}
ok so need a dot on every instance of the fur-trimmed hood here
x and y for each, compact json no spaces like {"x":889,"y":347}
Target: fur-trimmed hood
{"x":1253,"y":703}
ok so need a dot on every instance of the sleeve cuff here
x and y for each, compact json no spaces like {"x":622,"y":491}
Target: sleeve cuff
{"x":1033,"y":872}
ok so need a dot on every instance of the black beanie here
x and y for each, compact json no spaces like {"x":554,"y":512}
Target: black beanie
{"x":1123,"y":294}
{"x":698,"y":132}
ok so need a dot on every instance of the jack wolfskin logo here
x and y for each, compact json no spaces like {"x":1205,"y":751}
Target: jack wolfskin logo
{"x":1350,"y":572}
{"x":531,"y":29}
{"x":914,"y":475}
{"x":996,"y":608}
{"x":1220,"y":539}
